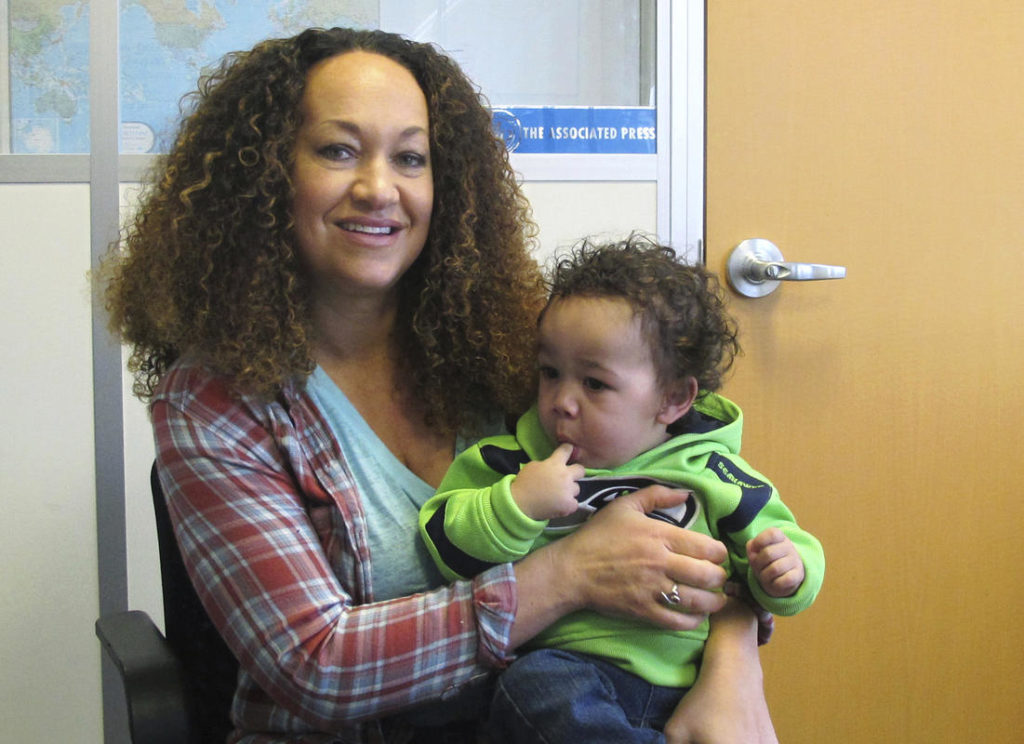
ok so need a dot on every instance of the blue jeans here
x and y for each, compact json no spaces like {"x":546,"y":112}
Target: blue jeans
{"x":558,"y":697}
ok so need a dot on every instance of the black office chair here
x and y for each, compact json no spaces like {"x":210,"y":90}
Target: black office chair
{"x":179,"y":688}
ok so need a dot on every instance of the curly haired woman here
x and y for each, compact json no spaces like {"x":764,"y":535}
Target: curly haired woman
{"x":327,"y":289}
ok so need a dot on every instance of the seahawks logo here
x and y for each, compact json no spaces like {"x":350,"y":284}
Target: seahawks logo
{"x":599,"y":491}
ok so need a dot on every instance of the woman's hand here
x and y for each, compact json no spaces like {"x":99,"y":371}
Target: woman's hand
{"x":619,"y":563}
{"x":622,"y":561}
{"x":727,"y":704}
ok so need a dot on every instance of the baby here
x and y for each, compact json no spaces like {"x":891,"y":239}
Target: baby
{"x":632,"y":344}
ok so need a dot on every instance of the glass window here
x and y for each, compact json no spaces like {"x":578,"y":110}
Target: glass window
{"x":561,"y":76}
{"x":539,"y":52}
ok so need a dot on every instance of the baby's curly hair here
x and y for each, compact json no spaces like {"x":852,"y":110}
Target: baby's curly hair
{"x":208,"y":266}
{"x":681,"y":307}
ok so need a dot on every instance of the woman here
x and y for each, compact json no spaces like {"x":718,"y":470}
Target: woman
{"x":327,"y":287}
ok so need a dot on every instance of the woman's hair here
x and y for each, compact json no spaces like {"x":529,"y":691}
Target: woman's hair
{"x":681,"y":308}
{"x":209,"y":264}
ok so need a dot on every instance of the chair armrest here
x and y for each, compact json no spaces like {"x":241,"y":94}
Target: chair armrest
{"x":155,"y":685}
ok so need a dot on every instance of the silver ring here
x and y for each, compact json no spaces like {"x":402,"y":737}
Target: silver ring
{"x":672,"y":597}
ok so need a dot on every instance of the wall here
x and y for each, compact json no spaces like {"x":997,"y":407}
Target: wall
{"x":50,"y":688}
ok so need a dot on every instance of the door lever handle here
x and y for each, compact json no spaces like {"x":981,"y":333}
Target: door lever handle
{"x":756,"y":267}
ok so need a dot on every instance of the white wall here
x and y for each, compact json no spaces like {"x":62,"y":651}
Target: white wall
{"x":143,"y":560}
{"x":49,"y":655}
{"x":605,"y":210}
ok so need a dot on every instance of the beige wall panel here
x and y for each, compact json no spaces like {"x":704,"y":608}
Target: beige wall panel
{"x":47,"y":483}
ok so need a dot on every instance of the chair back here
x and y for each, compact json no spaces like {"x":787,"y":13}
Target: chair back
{"x":208,"y":663}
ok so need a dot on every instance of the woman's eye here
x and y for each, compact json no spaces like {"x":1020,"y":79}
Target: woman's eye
{"x":411,"y":160}
{"x":336,"y":152}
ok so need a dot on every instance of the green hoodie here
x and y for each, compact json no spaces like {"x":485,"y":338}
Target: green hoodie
{"x":473,"y":522}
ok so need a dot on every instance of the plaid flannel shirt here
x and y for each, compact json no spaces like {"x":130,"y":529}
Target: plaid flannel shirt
{"x":273,"y":533}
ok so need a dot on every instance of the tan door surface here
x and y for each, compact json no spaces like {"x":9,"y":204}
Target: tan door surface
{"x":886,"y":136}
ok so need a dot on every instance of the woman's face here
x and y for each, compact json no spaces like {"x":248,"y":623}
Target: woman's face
{"x":364,"y":188}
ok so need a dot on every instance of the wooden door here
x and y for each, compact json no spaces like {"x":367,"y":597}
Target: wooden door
{"x":886,"y":136}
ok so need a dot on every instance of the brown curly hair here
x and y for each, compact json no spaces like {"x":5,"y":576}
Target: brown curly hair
{"x":209,"y":266}
{"x":681,"y":307}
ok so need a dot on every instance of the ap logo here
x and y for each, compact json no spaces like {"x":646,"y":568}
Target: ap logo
{"x":508,"y":127}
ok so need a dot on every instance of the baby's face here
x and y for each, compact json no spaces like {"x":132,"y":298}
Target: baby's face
{"x":598,"y":387}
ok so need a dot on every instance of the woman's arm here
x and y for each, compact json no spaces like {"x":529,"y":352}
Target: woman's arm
{"x":727,"y":704}
{"x":618,"y":563}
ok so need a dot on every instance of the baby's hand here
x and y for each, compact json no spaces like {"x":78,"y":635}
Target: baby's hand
{"x":776,"y":563}
{"x":546,"y":489}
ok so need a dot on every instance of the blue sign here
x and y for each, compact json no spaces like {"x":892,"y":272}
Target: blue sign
{"x":604,"y":131}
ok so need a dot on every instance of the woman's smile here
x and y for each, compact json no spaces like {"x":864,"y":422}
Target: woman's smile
{"x":369,"y":229}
